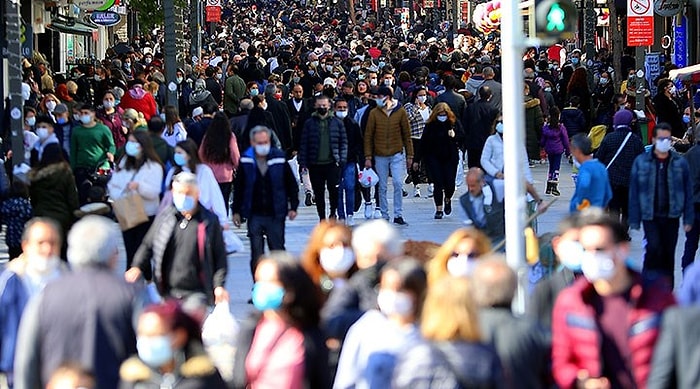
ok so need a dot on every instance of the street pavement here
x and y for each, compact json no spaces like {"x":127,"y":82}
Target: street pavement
{"x":418,"y":212}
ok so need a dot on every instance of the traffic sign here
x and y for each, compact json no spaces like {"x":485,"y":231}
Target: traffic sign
{"x":640,"y":23}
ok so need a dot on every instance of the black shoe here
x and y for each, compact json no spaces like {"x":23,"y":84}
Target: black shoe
{"x":308,"y":200}
{"x":407,"y":180}
{"x":438,"y":214}
{"x":448,"y":207}
{"x":404,"y":192}
{"x":399,"y":220}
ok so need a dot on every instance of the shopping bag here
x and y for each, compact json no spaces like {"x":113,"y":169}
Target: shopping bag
{"x":367,"y":177}
{"x":129,"y":211}
{"x":233,"y":243}
{"x":219,"y":334}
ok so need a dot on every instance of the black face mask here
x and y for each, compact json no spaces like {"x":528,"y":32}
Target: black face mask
{"x":322,"y":111}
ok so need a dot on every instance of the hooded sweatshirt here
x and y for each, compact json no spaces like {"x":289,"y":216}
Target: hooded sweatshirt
{"x":140,"y":100}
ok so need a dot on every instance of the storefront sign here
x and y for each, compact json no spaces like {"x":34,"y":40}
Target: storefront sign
{"x":652,"y":64}
{"x":105,"y":18}
{"x":89,"y":5}
{"x":668,"y":8}
{"x":640,"y":23}
{"x":680,"y":47}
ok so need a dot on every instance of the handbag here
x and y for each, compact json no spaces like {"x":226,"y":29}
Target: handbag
{"x":129,"y":210}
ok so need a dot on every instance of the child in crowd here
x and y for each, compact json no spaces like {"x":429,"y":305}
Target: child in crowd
{"x":555,"y":142}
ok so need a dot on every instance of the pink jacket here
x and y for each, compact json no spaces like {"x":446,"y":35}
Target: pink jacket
{"x":223,"y":171}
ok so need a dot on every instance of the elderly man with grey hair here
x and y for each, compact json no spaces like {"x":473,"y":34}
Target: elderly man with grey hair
{"x":185,"y":244}
{"x":521,"y":344}
{"x":85,"y":316}
{"x":375,"y":243}
{"x":265,"y":194}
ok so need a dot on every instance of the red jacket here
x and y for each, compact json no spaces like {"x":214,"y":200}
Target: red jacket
{"x":576,"y":340}
{"x":140,"y":100}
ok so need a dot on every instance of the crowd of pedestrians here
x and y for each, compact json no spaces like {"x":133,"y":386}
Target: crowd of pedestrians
{"x":286,"y":99}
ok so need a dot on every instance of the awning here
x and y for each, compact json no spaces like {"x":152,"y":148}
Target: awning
{"x":689,"y":74}
{"x":73,"y":26}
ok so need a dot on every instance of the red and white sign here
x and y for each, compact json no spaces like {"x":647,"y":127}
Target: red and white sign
{"x":213,"y":10}
{"x":640,"y":23}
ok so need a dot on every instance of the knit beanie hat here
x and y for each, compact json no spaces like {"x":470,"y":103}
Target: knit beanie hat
{"x":622,"y":117}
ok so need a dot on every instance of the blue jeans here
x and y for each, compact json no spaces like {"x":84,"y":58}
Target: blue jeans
{"x":397,"y":164}
{"x":691,"y":240}
{"x":346,"y":191}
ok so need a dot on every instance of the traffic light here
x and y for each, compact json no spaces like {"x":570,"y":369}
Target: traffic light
{"x":555,"y":20}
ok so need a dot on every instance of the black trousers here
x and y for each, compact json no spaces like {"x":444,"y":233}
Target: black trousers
{"x":226,"y":192}
{"x":132,"y":240}
{"x":661,"y":235}
{"x":442,"y":174}
{"x":325,"y":177}
{"x":259,"y":228}
{"x":619,"y":203}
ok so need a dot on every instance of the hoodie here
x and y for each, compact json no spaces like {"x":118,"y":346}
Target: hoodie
{"x":140,"y":100}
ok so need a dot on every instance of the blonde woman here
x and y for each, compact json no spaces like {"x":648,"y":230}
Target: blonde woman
{"x":451,"y":354}
{"x":457,"y":256}
{"x":133,"y":120}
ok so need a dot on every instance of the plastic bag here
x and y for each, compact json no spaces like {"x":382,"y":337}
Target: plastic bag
{"x":367,"y":177}
{"x":233,"y":243}
{"x":219,"y":335}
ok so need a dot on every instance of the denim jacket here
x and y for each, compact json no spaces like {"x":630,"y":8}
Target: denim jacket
{"x":643,"y":189}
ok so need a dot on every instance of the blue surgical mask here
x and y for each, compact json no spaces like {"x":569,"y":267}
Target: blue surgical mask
{"x":85,"y":119}
{"x":61,"y":120}
{"x":686,"y":119}
{"x":31,"y":121}
{"x":267,"y":296}
{"x":574,"y":61}
{"x":254,"y":92}
{"x":155,"y":351}
{"x":132,"y":149}
{"x":380,"y":102}
{"x":442,"y":118}
{"x":179,"y":159}
{"x":499,"y":127}
{"x":183,"y":203}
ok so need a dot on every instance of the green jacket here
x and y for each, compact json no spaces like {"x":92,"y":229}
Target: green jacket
{"x":234,"y":90}
{"x":89,"y":146}
{"x":53,"y":193}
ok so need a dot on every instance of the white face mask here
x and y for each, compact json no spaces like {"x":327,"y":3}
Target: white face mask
{"x":108,"y":104}
{"x":42,"y":133}
{"x":41,"y":265}
{"x":336,"y":260}
{"x":262,"y":150}
{"x":422,"y":99}
{"x":341,"y":114}
{"x":394,"y":303}
{"x":51,"y":105}
{"x":570,"y":254}
{"x":597,"y":266}
{"x":373,"y":82}
{"x":663,"y":145}
{"x":461,"y":266}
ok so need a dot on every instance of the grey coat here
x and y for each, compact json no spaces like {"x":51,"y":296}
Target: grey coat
{"x":676,"y":361}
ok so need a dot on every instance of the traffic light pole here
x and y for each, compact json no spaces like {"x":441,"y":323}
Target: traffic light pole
{"x":513,"y":139}
{"x":13,"y":54}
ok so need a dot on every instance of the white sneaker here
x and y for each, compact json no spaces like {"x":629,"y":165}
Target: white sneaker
{"x":368,"y":210}
{"x":349,"y":221}
{"x":377,"y":213}
{"x":416,"y":192}
{"x":430,"y":190}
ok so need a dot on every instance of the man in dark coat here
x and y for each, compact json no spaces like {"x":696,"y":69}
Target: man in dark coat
{"x":85,"y":316}
{"x":477,"y":123}
{"x":181,"y":232}
{"x":521,"y":343}
{"x":280,"y":114}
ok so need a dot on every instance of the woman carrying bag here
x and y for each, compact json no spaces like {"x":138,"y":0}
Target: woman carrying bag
{"x":139,"y":173}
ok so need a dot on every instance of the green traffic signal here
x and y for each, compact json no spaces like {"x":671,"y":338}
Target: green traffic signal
{"x":555,"y":18}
